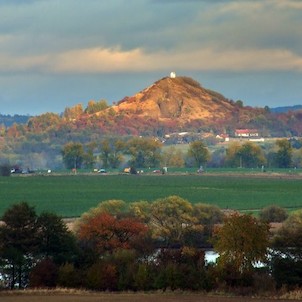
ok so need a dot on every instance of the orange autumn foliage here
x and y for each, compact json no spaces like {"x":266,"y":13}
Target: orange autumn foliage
{"x":108,"y":232}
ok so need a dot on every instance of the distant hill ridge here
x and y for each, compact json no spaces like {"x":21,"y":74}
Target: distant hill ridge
{"x":284,"y":109}
{"x":8,"y":120}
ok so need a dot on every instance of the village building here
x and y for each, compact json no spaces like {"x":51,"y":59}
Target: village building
{"x":223,"y":136}
{"x":246,"y":133}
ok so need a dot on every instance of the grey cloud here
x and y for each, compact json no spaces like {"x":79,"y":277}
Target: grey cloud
{"x":34,"y":28}
{"x":48,"y":26}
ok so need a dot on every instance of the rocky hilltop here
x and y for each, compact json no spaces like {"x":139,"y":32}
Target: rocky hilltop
{"x":183,"y":101}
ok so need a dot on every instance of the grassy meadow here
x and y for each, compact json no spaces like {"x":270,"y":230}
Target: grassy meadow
{"x":71,"y":195}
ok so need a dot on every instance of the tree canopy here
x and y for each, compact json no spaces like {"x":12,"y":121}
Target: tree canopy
{"x":284,"y":154}
{"x":144,"y":152}
{"x":171,"y":219}
{"x":241,"y":242}
{"x":248,"y":155}
{"x":73,"y":155}
{"x":199,"y":152}
{"x":26,"y":238}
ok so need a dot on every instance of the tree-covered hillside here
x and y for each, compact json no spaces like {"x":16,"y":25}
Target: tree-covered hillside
{"x":169,"y":106}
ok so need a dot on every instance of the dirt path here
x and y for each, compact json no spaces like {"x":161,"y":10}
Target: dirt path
{"x":124,"y":297}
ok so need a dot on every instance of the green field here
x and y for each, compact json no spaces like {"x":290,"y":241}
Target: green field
{"x":71,"y":195}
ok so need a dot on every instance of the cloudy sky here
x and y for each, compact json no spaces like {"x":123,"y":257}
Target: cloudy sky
{"x":58,"y":53}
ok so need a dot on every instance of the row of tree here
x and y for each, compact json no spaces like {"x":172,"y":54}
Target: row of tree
{"x":251,"y":155}
{"x":147,"y":246}
{"x":148,"y":152}
{"x":142,"y":152}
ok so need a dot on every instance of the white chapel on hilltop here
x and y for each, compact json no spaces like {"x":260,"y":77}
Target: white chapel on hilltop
{"x":172,"y":75}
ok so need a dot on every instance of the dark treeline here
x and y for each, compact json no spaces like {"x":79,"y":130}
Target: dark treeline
{"x":145,"y":246}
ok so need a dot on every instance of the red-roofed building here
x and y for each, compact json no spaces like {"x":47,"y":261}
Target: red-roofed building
{"x":246,"y":133}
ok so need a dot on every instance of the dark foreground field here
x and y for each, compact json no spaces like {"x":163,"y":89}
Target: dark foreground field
{"x":129,"y":298}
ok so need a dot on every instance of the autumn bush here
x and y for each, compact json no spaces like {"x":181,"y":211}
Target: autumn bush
{"x":44,"y":274}
{"x":102,"y":276}
{"x":273,"y":213}
{"x":69,"y":276}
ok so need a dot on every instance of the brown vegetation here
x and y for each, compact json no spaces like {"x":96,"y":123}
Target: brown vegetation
{"x":81,"y":296}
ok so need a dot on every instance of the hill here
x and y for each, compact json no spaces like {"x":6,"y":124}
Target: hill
{"x":169,"y":105}
{"x":179,"y":103}
{"x":178,"y":98}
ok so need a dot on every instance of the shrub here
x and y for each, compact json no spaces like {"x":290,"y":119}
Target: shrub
{"x":5,"y":170}
{"x":102,"y":276}
{"x":273,"y":213}
{"x":133,"y":170}
{"x":44,"y":274}
{"x":287,"y":271}
{"x":68,"y":276}
{"x":143,"y":278}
